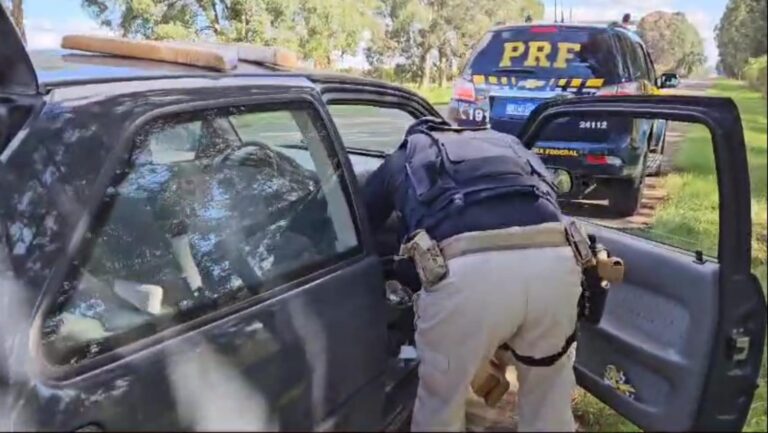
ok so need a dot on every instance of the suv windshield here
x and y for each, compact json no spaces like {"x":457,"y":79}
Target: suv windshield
{"x":547,"y":52}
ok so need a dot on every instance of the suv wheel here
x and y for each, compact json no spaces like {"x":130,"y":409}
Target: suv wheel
{"x":625,"y":196}
{"x":656,"y":157}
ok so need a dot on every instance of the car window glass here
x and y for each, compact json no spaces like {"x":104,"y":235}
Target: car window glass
{"x":649,"y":66}
{"x":547,"y":52}
{"x":370,"y":127}
{"x":181,"y":236}
{"x":650,"y":178}
{"x":273,"y":128}
{"x":634,"y":57}
{"x":175,"y":143}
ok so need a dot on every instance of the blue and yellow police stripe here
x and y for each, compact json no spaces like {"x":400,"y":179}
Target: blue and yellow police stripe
{"x":570,"y":84}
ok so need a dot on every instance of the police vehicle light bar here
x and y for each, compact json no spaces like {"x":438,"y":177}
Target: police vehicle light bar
{"x":218,"y":56}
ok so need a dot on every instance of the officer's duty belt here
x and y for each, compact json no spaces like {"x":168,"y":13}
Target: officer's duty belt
{"x":545,"y":235}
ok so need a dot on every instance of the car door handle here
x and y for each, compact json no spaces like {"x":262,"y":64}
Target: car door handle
{"x":89,"y":428}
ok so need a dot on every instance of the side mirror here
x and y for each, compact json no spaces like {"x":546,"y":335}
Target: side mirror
{"x":668,"y":80}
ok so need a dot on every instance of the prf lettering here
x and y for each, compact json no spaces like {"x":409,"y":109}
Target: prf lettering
{"x":539,"y":54}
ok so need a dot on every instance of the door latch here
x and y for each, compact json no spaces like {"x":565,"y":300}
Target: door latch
{"x":739,"y":346}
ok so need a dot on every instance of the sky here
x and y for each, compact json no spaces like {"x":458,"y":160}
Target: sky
{"x":47,"y":20}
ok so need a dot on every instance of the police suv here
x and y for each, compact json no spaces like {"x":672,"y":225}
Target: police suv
{"x":512,"y":69}
{"x":183,"y":246}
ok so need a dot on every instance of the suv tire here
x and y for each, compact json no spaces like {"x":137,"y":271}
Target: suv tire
{"x":657,"y":155}
{"x":625,"y":196}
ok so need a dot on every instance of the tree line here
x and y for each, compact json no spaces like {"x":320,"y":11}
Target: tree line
{"x":413,"y":40}
{"x":742,"y":40}
{"x":741,"y":35}
{"x":674,"y":44}
{"x":416,"y":41}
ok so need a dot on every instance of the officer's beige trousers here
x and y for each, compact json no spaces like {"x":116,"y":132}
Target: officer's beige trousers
{"x":526,"y":297}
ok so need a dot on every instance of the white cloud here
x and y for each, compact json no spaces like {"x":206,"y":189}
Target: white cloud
{"x":44,"y":34}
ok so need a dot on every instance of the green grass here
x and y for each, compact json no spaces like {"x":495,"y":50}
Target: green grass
{"x":689,"y":219}
{"x":435,"y":95}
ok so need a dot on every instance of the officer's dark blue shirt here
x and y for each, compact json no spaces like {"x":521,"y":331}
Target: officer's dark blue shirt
{"x":389,"y":182}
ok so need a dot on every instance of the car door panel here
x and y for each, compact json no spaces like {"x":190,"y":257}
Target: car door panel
{"x":264,"y":368}
{"x":309,"y":351}
{"x":657,"y":328}
{"x":401,"y":376}
{"x":665,"y":354}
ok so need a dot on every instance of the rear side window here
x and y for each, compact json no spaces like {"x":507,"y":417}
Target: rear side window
{"x":649,"y":65}
{"x":634,"y":58}
{"x":547,"y":52}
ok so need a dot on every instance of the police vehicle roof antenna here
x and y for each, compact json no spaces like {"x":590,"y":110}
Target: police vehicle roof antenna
{"x":555,"y":10}
{"x":562,"y":13}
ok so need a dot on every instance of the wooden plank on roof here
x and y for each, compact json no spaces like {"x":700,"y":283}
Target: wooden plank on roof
{"x":256,"y":53}
{"x":271,"y":55}
{"x":165,"y":51}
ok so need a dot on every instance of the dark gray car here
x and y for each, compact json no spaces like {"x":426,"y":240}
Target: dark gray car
{"x":114,"y":170}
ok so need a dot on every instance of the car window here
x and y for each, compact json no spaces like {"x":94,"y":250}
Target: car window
{"x":634,"y":58}
{"x":547,"y":52}
{"x":370,"y":127}
{"x":649,"y":65}
{"x":651,"y":178}
{"x":215,"y":208}
{"x":643,"y":61}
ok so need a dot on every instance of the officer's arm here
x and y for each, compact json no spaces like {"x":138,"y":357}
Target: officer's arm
{"x":378,"y":191}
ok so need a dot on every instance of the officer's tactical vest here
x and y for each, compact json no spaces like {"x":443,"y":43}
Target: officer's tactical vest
{"x":450,"y":167}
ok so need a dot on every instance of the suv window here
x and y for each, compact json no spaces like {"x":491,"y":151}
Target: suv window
{"x":649,"y":65}
{"x":215,"y":207}
{"x":547,"y":52}
{"x":634,"y":58}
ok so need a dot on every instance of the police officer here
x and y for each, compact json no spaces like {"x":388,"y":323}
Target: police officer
{"x":626,"y":20}
{"x":485,"y":232}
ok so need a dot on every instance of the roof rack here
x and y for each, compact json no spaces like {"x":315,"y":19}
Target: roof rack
{"x":217,"y":56}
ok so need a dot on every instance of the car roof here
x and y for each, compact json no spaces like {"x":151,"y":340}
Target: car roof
{"x":62,"y":69}
{"x":616,"y":28}
{"x":59,"y":67}
{"x":548,"y":24}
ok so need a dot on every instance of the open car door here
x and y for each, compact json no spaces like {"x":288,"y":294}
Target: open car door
{"x":19,"y":89}
{"x":680,"y":342}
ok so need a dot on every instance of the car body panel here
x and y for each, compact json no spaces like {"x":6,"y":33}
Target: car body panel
{"x":306,"y":385}
{"x":17,"y":76}
{"x":310,"y":354}
{"x":676,"y":313}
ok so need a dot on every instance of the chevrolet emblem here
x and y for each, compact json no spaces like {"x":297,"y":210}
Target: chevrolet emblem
{"x":532,"y":84}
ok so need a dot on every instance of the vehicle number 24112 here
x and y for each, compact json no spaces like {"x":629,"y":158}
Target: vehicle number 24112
{"x":586,"y":124}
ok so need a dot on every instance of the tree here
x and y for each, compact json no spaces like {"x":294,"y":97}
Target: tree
{"x":423,"y":35}
{"x":672,"y":41}
{"x":317,"y":29}
{"x":741,"y":34}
